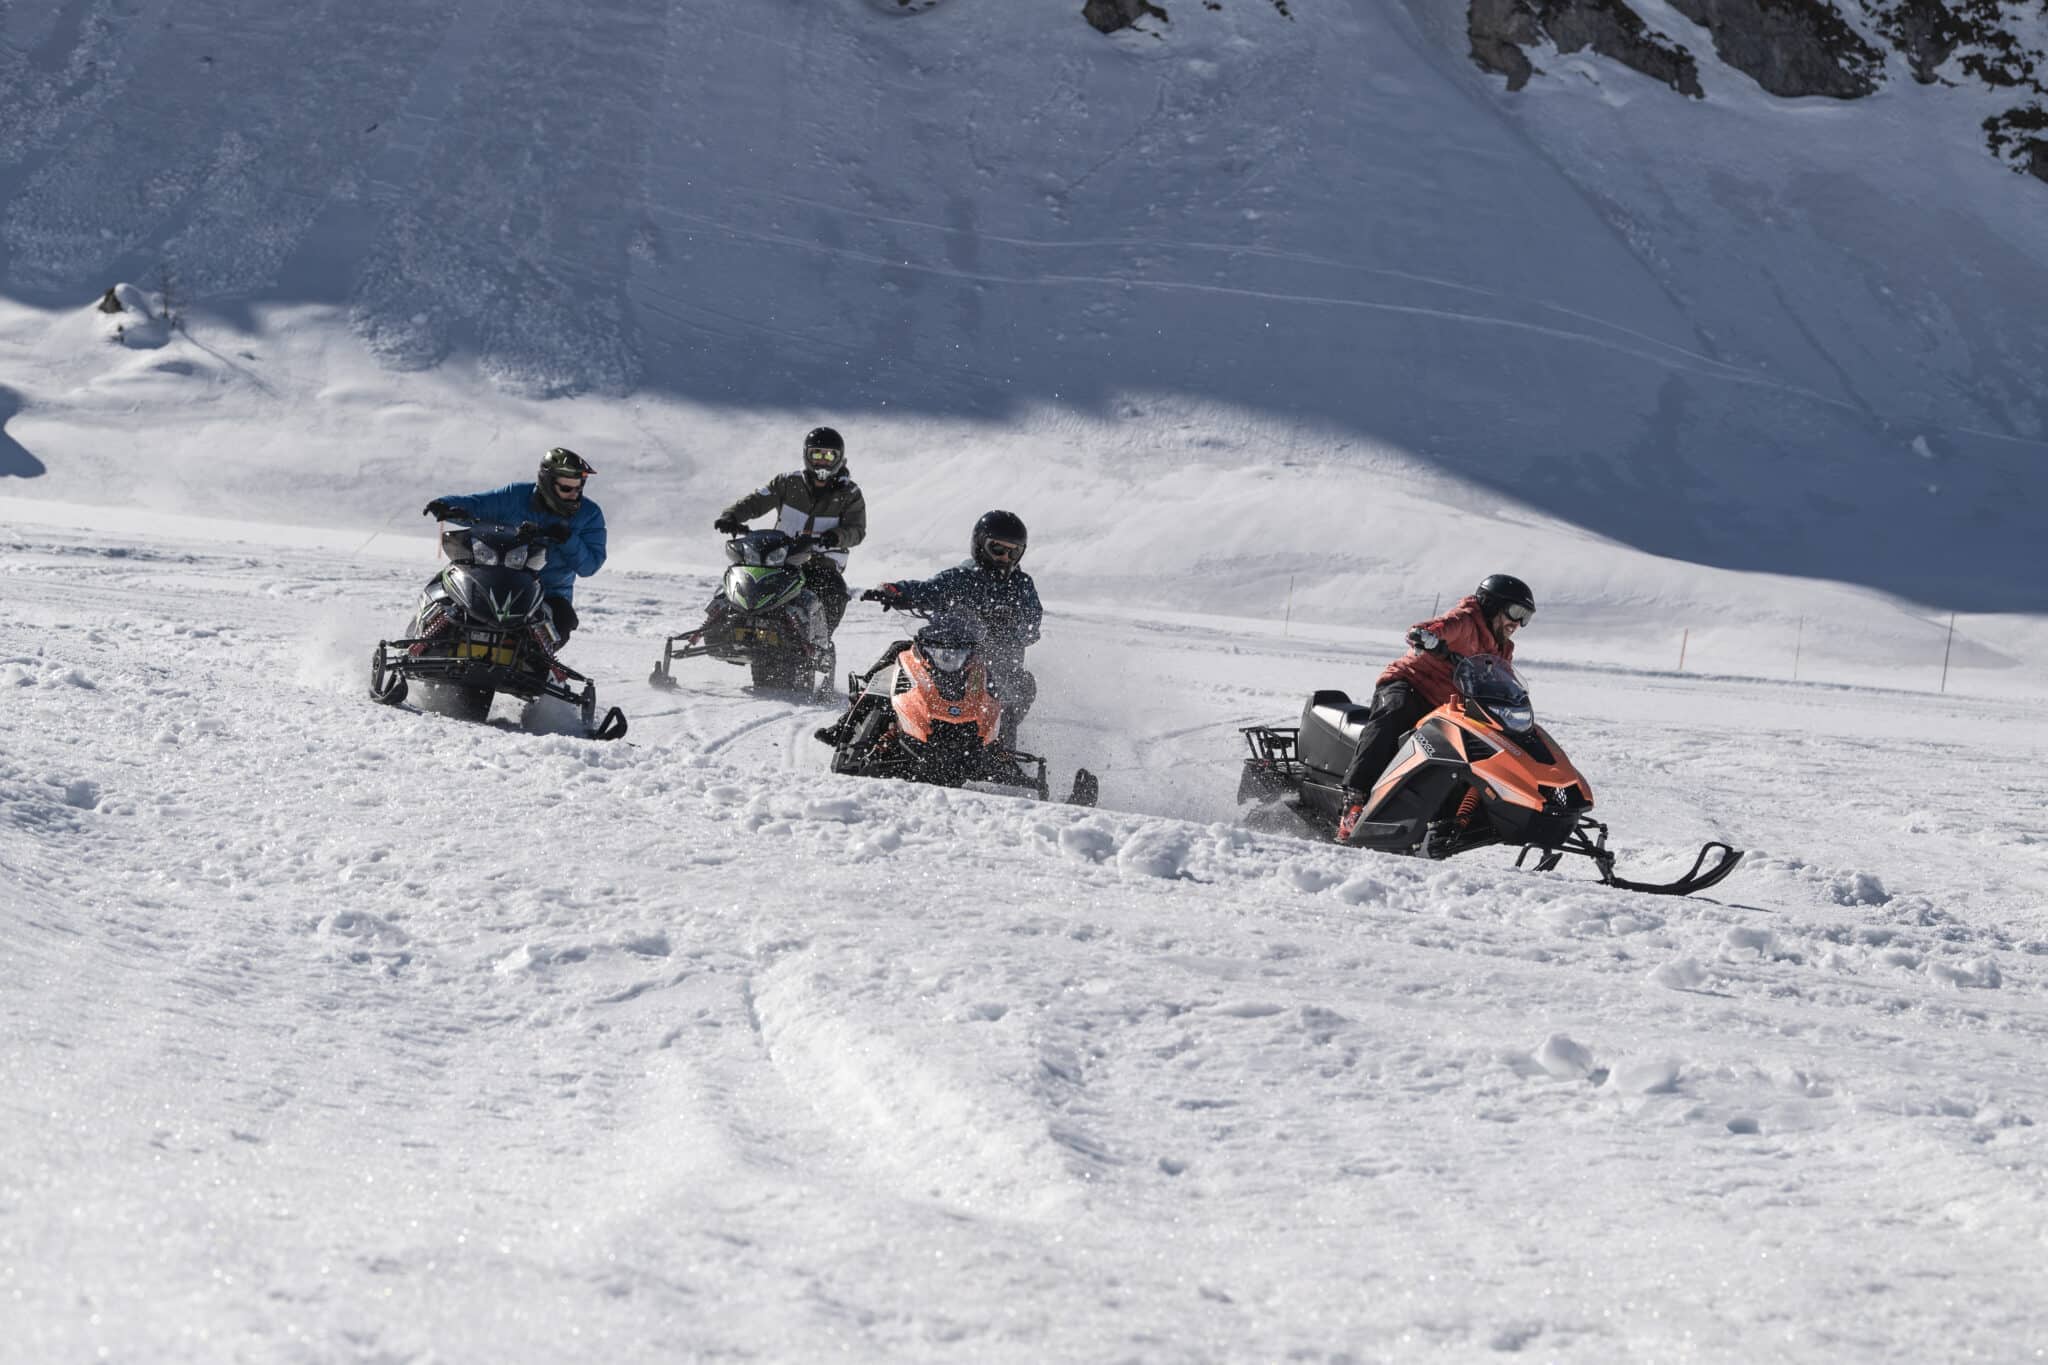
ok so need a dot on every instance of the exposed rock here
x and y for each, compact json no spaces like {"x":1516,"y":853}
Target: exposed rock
{"x":110,"y":302}
{"x":1926,"y":32}
{"x":1110,"y":15}
{"x":2007,"y":135}
{"x":1500,"y":29}
{"x":1789,"y":47}
{"x":2036,"y":160}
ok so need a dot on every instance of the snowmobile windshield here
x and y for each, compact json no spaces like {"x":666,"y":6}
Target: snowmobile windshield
{"x":950,"y":640}
{"x":762,"y":549}
{"x":949,"y":658}
{"x":1489,"y":681}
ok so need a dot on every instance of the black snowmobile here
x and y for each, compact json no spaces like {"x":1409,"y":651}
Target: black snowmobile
{"x":1476,"y":771}
{"x":482,"y":628}
{"x":764,"y":616}
{"x":927,"y":714}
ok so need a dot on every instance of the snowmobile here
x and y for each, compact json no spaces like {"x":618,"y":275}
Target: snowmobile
{"x":482,"y":627}
{"x":763,"y":616}
{"x":1476,"y":771}
{"x":928,"y":715}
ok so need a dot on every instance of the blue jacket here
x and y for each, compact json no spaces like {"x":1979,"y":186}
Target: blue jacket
{"x":580,"y":556}
{"x":1007,"y":604}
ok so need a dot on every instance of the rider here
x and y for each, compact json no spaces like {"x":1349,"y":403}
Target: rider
{"x":1420,"y":681}
{"x":555,"y":501}
{"x":820,"y":500}
{"x":993,"y":589}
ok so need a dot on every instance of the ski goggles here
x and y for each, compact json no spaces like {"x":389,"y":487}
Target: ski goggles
{"x":1518,"y":613}
{"x":565,"y":483}
{"x":824,"y":457}
{"x":1003,"y":551}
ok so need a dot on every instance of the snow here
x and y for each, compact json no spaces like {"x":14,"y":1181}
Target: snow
{"x":337,"y":1033}
{"x":341,"y":1032}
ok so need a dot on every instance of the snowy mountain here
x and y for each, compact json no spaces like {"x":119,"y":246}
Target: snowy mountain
{"x":339,"y":1033}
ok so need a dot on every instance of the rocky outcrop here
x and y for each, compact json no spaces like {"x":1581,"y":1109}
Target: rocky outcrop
{"x":1796,"y":48}
{"x":1926,"y":33}
{"x":1789,"y":47}
{"x":1501,"y":29}
{"x":2012,"y":138}
{"x":1108,"y":16}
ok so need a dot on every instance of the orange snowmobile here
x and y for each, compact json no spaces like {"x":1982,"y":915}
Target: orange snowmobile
{"x":1476,"y":771}
{"x":926,"y":714}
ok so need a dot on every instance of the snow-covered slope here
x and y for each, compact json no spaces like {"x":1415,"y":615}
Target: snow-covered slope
{"x":1310,"y":250}
{"x":334,"y":1033}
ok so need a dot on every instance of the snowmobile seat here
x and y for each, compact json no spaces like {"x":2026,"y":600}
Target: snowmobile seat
{"x":1329,"y":730}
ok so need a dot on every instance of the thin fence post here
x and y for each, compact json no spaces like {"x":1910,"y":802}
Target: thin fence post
{"x":1798,"y":640}
{"x":1287,"y":620}
{"x":1946,"y":648}
{"x":1435,"y":602}
{"x":1683,"y":641}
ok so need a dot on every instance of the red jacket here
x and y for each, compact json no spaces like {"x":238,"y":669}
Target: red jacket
{"x":1463,"y":628}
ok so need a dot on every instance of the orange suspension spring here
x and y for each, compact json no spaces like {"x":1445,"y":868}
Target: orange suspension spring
{"x":1468,"y":808}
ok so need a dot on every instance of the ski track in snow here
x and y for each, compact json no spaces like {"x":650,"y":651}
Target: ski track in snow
{"x":329,"y":1023}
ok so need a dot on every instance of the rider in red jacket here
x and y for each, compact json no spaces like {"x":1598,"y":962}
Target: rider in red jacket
{"x":1420,"y":681}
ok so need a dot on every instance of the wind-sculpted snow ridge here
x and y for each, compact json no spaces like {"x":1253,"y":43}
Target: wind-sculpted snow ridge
{"x":338,"y":1031}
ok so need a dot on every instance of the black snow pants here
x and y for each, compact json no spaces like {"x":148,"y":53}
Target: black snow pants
{"x":1396,"y":709}
{"x":828,"y":584}
{"x":564,"y":617}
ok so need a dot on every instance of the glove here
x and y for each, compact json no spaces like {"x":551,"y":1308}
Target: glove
{"x":827,"y":540}
{"x":440,"y":509}
{"x":889,"y":595}
{"x":558,"y":533}
{"x":1428,"y":641}
{"x":526,"y":528}
{"x":728,"y":526}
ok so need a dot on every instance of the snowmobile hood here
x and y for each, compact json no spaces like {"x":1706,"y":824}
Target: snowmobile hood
{"x":494,"y":597}
{"x":758,"y":587}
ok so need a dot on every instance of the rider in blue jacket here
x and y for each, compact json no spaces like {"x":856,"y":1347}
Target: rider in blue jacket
{"x":554,"y":499}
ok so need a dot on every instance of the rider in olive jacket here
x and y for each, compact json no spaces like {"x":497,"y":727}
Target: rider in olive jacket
{"x":819,"y":500}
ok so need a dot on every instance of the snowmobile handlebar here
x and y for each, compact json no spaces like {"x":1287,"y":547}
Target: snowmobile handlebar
{"x":526,"y":532}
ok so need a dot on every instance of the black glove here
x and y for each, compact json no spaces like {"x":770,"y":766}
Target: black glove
{"x":889,"y":595}
{"x":729,"y":526}
{"x":1428,"y":641}
{"x":827,"y":540}
{"x":440,"y":509}
{"x":558,"y":533}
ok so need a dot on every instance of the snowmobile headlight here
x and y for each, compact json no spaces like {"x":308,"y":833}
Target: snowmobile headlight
{"x":949,"y":659}
{"x":514,"y":558}
{"x":482,"y":552}
{"x":1518,"y":719}
{"x":536,"y":557}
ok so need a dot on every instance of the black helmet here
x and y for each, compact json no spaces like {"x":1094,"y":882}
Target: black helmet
{"x":561,"y":463}
{"x":999,"y":540}
{"x":1505,"y":592}
{"x":824,"y":454}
